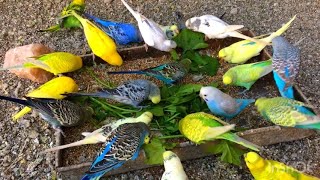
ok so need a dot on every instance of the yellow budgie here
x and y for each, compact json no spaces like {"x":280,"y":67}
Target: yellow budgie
{"x":100,"y":43}
{"x":262,"y":169}
{"x":52,"y":89}
{"x":242,"y":51}
{"x":56,"y":63}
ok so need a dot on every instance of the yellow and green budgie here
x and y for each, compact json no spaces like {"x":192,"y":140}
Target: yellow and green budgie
{"x":68,"y":21}
{"x":242,"y":51}
{"x":200,"y":127}
{"x":100,"y":43}
{"x":55,"y":63}
{"x":288,"y":112}
{"x":247,"y":74}
{"x":51,"y":89}
{"x":262,"y":169}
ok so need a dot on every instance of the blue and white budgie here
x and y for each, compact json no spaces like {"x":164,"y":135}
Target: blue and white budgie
{"x":100,"y":135}
{"x":169,"y":73}
{"x":222,"y":104}
{"x":286,"y":64}
{"x":173,"y":167}
{"x":288,"y":112}
{"x":122,"y":33}
{"x":151,"y":32}
{"x":131,"y":92}
{"x":215,"y":28}
{"x":122,"y":144}
{"x":56,"y":112}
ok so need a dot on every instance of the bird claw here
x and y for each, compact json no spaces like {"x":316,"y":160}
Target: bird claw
{"x":59,"y":131}
{"x":146,"y":47}
{"x":93,"y":60}
{"x":243,"y":92}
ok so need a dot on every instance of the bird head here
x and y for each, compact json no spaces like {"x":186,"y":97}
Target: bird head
{"x":155,"y":95}
{"x":254,"y":161}
{"x":261,"y":102}
{"x":171,"y":160}
{"x":146,"y":139}
{"x":193,"y":23}
{"x":172,"y":31}
{"x":78,"y":2}
{"x":145,"y":117}
{"x":207,"y":93}
{"x":228,"y":78}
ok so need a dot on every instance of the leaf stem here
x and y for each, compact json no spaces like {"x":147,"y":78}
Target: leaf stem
{"x":171,"y":136}
{"x":98,"y":80}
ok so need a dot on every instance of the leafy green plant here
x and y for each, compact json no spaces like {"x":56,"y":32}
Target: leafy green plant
{"x":190,"y":41}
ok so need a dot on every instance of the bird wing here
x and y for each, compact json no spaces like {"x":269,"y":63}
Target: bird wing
{"x":122,"y":145}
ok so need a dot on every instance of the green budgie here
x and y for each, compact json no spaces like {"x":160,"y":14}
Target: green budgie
{"x":288,"y":112}
{"x":200,"y":127}
{"x":247,"y":74}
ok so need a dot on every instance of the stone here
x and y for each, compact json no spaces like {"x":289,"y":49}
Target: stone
{"x":19,"y":55}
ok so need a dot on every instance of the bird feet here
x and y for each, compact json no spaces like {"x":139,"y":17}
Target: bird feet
{"x":242,"y":92}
{"x":59,"y":131}
{"x":146,"y":47}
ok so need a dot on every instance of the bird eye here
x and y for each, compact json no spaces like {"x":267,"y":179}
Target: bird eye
{"x":205,"y":95}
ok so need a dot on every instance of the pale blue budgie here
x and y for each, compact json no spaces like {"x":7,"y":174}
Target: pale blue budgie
{"x":285,"y":63}
{"x":131,"y":92}
{"x":222,"y":104}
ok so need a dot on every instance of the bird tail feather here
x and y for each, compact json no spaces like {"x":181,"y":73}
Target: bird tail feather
{"x":213,"y":132}
{"x":16,"y":100}
{"x":245,"y":143}
{"x":242,"y":36}
{"x":77,"y":143}
{"x":313,"y":123}
{"x":133,"y":12}
{"x":103,"y":94}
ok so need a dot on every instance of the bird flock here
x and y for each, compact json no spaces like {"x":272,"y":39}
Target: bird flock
{"x":124,"y":138}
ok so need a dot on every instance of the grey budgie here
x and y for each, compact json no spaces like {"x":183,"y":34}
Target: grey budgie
{"x":56,"y":112}
{"x":131,"y":92}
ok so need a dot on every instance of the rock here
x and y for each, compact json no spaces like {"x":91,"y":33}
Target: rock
{"x":33,"y":134}
{"x":18,"y":55}
{"x":234,"y":11}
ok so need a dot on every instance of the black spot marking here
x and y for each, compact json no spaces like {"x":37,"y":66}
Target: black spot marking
{"x":196,"y":23}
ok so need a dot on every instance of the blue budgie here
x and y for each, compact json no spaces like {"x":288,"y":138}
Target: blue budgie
{"x":122,"y":33}
{"x":288,"y":112}
{"x":131,"y":92}
{"x":222,"y":104}
{"x":123,"y":144}
{"x":285,"y":63}
{"x":168,"y":73}
{"x":56,"y":112}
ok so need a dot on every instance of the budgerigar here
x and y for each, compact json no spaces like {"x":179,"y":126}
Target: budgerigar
{"x":262,"y":169}
{"x":247,"y":74}
{"x":215,"y":28}
{"x":56,"y":112}
{"x":222,"y":104}
{"x":99,"y":42}
{"x":151,"y":32}
{"x":56,"y":63}
{"x":68,"y":21}
{"x":51,"y":89}
{"x":200,"y":127}
{"x":122,"y":33}
{"x":242,"y":51}
{"x":100,"y":135}
{"x":173,"y":167}
{"x":288,"y":112}
{"x":131,"y":92}
{"x":286,"y":64}
{"x":169,"y":73}
{"x":122,"y":144}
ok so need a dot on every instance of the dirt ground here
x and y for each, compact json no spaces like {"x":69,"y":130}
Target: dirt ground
{"x":19,"y":20}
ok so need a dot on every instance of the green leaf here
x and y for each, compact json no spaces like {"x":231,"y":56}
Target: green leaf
{"x":190,"y":40}
{"x":195,"y":57}
{"x":154,"y":151}
{"x":174,"y":55}
{"x":211,"y":67}
{"x":229,"y":151}
{"x":157,"y":110}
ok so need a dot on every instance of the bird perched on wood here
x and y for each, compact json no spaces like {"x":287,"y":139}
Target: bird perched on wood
{"x":56,"y":112}
{"x":215,"y":28}
{"x":122,"y":144}
{"x":242,"y":51}
{"x":286,"y":65}
{"x":52,"y":90}
{"x":131,"y":92}
{"x":169,"y":73}
{"x":121,"y":33}
{"x":263,"y":169}
{"x":68,"y":21}
{"x":246,"y":75}
{"x":173,"y":167}
{"x":288,"y":112}
{"x":101,"y":135}
{"x":56,"y":63}
{"x":151,"y":32}
{"x":222,"y":104}
{"x":201,"y":127}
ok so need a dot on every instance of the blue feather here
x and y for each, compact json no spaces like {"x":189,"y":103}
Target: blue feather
{"x":122,"y":33}
{"x":309,"y":126}
{"x":284,"y":91}
{"x":215,"y":109}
